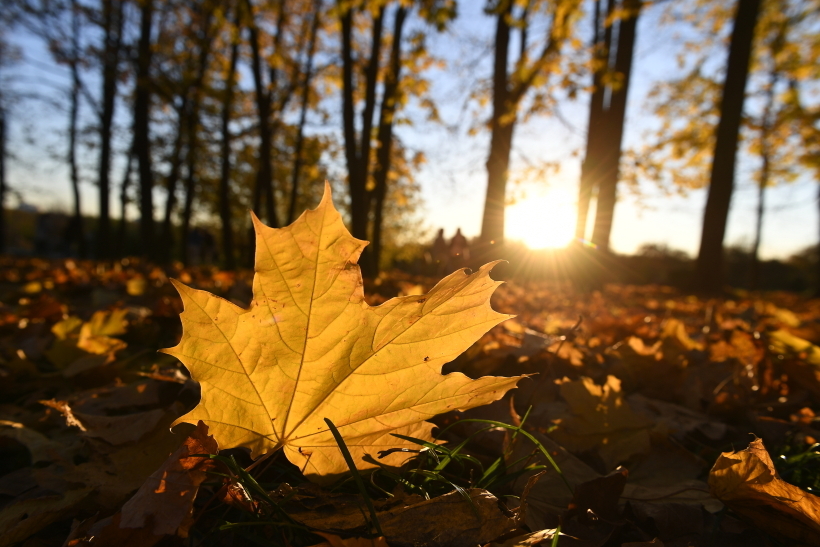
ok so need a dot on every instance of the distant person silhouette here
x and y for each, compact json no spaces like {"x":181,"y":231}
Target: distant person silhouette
{"x":459,"y":252}
{"x":439,"y":253}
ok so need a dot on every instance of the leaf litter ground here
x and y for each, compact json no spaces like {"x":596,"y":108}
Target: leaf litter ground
{"x":636,"y":405}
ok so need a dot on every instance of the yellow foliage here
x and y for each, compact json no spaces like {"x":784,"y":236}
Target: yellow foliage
{"x":311,"y":348}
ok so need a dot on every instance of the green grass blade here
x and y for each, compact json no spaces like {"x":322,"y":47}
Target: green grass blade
{"x":356,"y":477}
{"x":532,"y":439}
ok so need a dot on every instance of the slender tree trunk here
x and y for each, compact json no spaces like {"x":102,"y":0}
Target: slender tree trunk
{"x":112,"y":28}
{"x":192,"y":133}
{"x":263,"y":191}
{"x":357,"y":152}
{"x":190,"y":178}
{"x":357,"y":198}
{"x":765,"y":172}
{"x":501,"y":126}
{"x":610,"y":148}
{"x":761,"y":206}
{"x":225,"y":160}
{"x":590,"y":168}
{"x":3,"y":187}
{"x":709,"y":267}
{"x":385,"y":136}
{"x":126,"y":182}
{"x":172,"y":180}
{"x":74,"y":108}
{"x":142,"y":141}
{"x":300,"y":134}
{"x":816,"y":264}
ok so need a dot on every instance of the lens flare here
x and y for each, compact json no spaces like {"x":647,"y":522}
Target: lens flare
{"x":542,"y":221}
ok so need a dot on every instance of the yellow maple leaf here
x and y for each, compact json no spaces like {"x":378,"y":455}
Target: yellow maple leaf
{"x":310,"y":347}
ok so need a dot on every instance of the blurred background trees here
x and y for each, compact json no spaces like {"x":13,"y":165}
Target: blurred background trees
{"x":195,"y":111}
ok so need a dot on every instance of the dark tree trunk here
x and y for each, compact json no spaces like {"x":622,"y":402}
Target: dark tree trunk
{"x":79,"y":234}
{"x":142,"y":141}
{"x":610,"y":148}
{"x":754,"y":274}
{"x":357,"y":151}
{"x":501,"y":127}
{"x":357,"y":198}
{"x":2,"y":178}
{"x":263,"y":190}
{"x":172,"y":180}
{"x":709,"y":267}
{"x":126,"y":182}
{"x":816,"y":264}
{"x":385,"y":137}
{"x":590,"y":168}
{"x":225,"y":160}
{"x":763,"y":181}
{"x":300,"y":134}
{"x":112,"y":39}
{"x":188,"y":124}
{"x":190,"y":177}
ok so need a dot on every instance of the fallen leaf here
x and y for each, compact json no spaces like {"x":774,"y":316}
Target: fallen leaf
{"x":166,"y":499}
{"x":528,"y":540}
{"x":598,"y":499}
{"x":600,"y":418}
{"x":748,"y":483}
{"x":41,"y":448}
{"x":336,"y":541}
{"x":310,"y":348}
{"x":115,"y":430}
{"x":96,"y":336}
{"x":22,"y":518}
{"x":406,"y":520}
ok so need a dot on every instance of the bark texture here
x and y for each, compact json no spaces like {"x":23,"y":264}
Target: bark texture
{"x":709,"y":267}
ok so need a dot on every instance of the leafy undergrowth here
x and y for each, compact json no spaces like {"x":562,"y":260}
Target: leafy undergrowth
{"x":643,"y":397}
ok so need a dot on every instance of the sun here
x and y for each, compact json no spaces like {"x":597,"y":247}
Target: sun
{"x":542,"y":221}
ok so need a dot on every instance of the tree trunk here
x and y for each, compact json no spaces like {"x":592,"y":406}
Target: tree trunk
{"x":501,"y":126}
{"x":385,"y":137}
{"x":357,"y":151}
{"x":709,"y":267}
{"x":188,"y":123}
{"x":142,"y":141}
{"x":263,"y":191}
{"x":590,"y":168}
{"x":610,"y":148}
{"x":357,"y":198}
{"x":126,"y":182}
{"x":754,"y":273}
{"x":190,"y":177}
{"x":300,"y":134}
{"x":765,"y":171}
{"x":78,"y":232}
{"x":816,"y":264}
{"x":2,"y":177}
{"x":225,"y":167}
{"x":172,"y":180}
{"x":112,"y":29}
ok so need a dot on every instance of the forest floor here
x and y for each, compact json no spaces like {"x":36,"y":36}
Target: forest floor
{"x":645,"y":398}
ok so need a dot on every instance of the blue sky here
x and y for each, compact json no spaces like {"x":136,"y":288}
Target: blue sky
{"x":454,"y":179}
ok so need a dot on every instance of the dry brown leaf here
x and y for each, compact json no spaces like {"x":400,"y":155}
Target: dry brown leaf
{"x":115,"y":430}
{"x":165,"y":501}
{"x":406,"y":520}
{"x":600,"y":418}
{"x":336,"y":541}
{"x":747,"y":482}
